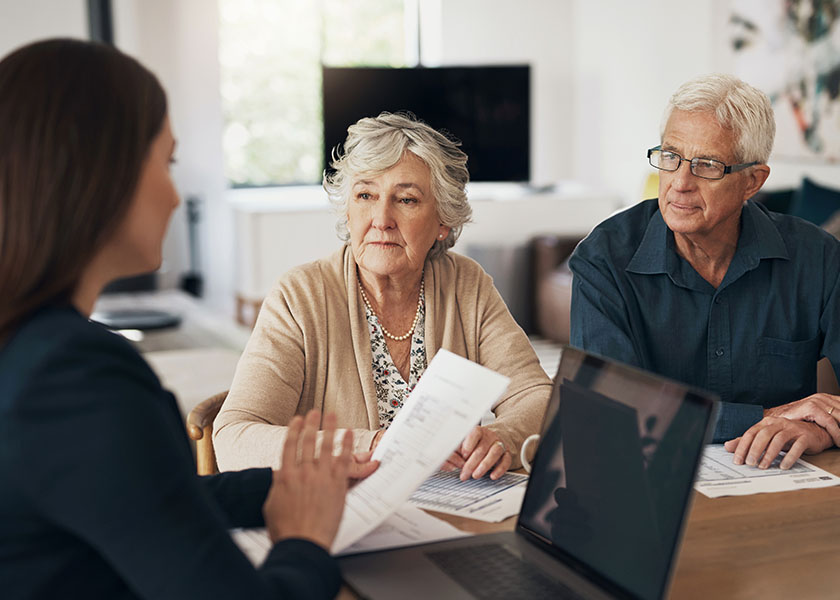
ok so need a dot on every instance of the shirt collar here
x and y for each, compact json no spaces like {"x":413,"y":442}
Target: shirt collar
{"x":759,"y":239}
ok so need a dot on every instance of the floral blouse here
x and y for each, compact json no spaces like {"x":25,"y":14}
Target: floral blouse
{"x":391,"y":389}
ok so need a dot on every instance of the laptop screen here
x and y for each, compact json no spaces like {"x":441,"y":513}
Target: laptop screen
{"x":614,"y":470}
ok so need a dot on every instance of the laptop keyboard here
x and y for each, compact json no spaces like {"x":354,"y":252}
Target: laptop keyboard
{"x":492,"y":571}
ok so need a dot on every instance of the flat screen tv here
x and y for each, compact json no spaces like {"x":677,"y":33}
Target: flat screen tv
{"x":487,"y":108}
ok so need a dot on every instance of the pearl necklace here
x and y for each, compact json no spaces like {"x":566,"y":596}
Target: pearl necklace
{"x":388,"y":334}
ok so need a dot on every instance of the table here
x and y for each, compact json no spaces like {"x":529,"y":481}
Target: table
{"x":194,"y":360}
{"x":781,"y":545}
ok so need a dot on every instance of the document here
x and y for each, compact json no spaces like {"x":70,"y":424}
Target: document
{"x":447,"y":402}
{"x":718,"y":476}
{"x":408,"y":526}
{"x":482,"y":499}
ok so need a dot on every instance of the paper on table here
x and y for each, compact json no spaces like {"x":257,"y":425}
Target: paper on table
{"x":483,"y":499}
{"x":719,"y":476}
{"x":447,"y":402}
{"x":408,"y":526}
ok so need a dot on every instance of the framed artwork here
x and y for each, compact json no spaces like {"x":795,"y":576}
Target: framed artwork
{"x":790,"y":49}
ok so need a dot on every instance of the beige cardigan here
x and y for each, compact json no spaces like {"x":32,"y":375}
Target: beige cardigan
{"x":311,"y":349}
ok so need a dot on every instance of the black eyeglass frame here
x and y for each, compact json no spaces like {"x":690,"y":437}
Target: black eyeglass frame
{"x":693,"y":162}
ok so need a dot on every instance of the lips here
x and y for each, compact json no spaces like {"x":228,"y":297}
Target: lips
{"x":682,"y":206}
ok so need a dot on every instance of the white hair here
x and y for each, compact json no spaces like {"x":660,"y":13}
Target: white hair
{"x":375,"y":144}
{"x":737,"y":106}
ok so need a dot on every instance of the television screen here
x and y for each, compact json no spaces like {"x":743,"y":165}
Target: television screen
{"x":487,"y":108}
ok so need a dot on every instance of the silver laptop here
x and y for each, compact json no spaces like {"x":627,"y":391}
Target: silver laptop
{"x":605,"y":504}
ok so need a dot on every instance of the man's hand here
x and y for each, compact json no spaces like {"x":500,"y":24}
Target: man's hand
{"x":822,"y":409}
{"x":763,"y":442}
{"x":481,"y":451}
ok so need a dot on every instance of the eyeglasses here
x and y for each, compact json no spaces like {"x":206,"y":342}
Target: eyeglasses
{"x":707,"y":168}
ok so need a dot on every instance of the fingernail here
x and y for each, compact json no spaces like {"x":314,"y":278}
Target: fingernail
{"x":751,"y":461}
{"x":738,"y":460}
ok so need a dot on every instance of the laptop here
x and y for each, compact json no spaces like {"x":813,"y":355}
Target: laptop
{"x":605,"y":505}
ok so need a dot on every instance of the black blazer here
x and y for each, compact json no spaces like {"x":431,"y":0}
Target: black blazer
{"x":98,"y":492}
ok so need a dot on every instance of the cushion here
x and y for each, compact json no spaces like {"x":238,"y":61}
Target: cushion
{"x":815,"y":203}
{"x":779,"y":201}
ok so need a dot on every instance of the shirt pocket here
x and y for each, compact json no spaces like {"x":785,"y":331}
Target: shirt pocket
{"x":787,"y":369}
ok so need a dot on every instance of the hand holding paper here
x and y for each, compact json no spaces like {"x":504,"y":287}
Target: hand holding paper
{"x":448,"y":401}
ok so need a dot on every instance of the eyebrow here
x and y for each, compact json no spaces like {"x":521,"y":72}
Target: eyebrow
{"x":672,"y":148}
{"x":403,"y":186}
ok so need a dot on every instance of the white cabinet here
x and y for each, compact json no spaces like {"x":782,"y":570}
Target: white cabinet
{"x":279,"y":228}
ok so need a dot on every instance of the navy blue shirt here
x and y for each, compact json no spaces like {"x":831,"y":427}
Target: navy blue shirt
{"x":755,"y":340}
{"x":98,"y":492}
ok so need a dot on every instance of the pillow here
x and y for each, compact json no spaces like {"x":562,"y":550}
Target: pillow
{"x":815,"y":203}
{"x":779,"y":201}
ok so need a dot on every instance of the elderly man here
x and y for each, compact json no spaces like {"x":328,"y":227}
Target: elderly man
{"x":707,"y":287}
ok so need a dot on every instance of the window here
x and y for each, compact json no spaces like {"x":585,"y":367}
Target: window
{"x":271,"y":53}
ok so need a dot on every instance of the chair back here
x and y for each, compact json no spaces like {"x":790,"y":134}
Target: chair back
{"x":200,"y":428}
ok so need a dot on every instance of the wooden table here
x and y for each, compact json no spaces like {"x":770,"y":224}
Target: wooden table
{"x":780,"y":545}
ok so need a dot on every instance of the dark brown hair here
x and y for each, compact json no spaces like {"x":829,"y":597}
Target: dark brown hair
{"x":77,"y":120}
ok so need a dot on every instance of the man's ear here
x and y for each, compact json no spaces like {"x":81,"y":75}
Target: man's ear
{"x":756,"y":176}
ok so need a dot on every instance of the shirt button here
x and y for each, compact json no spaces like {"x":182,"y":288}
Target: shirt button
{"x":717,"y":300}
{"x":719,"y":352}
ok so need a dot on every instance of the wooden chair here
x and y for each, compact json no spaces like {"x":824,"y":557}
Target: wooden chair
{"x":200,"y":428}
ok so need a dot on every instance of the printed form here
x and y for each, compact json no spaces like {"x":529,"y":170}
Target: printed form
{"x":483,"y":499}
{"x":448,"y":401}
{"x":718,"y":476}
{"x":406,"y":527}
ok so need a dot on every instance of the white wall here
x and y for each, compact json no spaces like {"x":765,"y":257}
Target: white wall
{"x":630,"y":57}
{"x":24,"y":22}
{"x":178,"y":41}
{"x":537,"y":32}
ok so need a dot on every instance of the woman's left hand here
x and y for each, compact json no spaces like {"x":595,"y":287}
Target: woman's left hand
{"x":481,"y":451}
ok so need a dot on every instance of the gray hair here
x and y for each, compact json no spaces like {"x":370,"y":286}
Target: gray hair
{"x":375,"y":144}
{"x":737,"y":106}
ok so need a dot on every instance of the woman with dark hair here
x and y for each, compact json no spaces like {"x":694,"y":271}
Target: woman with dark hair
{"x":86,"y":510}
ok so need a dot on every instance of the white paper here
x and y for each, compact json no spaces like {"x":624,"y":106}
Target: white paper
{"x":409,"y":526}
{"x":447,"y":402}
{"x":482,"y":499}
{"x":254,"y":543}
{"x":719,"y":476}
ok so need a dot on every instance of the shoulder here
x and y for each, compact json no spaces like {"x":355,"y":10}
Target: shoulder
{"x":458,"y":271}
{"x":60,"y":359}
{"x":60,"y":334}
{"x":617,"y":238}
{"x":626,"y":225}
{"x":312,"y":283}
{"x":327,"y":271}
{"x":800,"y":236}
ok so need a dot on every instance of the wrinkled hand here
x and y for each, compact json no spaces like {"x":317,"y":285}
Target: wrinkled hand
{"x":376,"y":439}
{"x":763,"y":442}
{"x":306,"y":497}
{"x":361,"y":466}
{"x":814,"y":408}
{"x":480,"y":452}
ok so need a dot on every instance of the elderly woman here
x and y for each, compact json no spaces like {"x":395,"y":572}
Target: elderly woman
{"x":353,"y":333}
